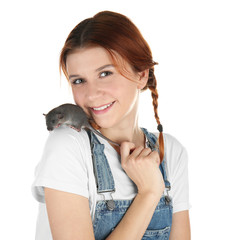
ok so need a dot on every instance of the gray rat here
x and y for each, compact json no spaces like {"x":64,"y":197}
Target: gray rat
{"x":73,"y":116}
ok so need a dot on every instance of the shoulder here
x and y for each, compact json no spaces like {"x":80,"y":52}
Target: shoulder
{"x":175,"y":151}
{"x":172,"y":143}
{"x":65,"y":137}
{"x":65,"y":133}
{"x":65,"y":150}
{"x":176,"y":154}
{"x":176,"y":157}
{"x":65,"y":163}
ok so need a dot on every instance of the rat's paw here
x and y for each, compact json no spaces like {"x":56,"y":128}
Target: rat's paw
{"x":77,"y":129}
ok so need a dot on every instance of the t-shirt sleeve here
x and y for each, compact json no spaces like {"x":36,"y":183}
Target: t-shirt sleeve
{"x":62,"y":165}
{"x":177,"y":164}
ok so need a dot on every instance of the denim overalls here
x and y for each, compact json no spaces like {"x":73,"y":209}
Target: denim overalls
{"x":108,"y":213}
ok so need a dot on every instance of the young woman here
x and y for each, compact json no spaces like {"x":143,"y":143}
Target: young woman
{"x":90,"y":189}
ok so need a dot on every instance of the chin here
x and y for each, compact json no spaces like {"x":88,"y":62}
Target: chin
{"x":105,"y":124}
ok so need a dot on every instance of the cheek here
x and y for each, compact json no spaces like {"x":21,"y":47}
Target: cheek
{"x":79,"y":99}
{"x":127,"y":89}
{"x":77,"y":96}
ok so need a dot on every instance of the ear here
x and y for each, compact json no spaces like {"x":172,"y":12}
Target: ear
{"x":143,"y":78}
{"x":60,"y":116}
{"x":44,"y":114}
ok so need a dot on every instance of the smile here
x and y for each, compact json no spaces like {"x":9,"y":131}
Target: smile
{"x":103,"y":107}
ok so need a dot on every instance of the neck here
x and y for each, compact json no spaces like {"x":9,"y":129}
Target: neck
{"x":126,"y":132}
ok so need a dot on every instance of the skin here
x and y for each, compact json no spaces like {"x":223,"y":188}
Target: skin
{"x":93,"y":89}
{"x":121,"y":122}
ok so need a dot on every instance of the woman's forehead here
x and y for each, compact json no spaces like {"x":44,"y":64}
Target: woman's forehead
{"x":93,"y":58}
{"x":89,"y":57}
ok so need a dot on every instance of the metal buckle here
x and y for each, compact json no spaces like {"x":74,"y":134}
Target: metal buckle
{"x":110,"y":203}
{"x":167,"y":197}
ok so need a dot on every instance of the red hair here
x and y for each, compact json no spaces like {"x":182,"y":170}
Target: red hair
{"x":117,"y":34}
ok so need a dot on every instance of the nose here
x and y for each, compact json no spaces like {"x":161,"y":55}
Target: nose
{"x":50,"y":128}
{"x":93,"y":91}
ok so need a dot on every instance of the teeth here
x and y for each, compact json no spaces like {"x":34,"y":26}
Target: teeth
{"x":103,"y":107}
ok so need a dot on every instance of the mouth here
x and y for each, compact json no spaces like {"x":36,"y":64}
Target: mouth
{"x":102,"y":109}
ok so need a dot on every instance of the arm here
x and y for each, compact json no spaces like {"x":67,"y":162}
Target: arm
{"x":178,"y":169}
{"x":136,"y":220}
{"x":142,"y":166}
{"x":180,"y":226}
{"x":69,"y":214}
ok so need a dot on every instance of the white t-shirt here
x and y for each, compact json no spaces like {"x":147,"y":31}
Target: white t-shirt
{"x":66,"y":165}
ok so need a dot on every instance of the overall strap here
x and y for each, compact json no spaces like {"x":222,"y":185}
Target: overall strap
{"x":102,"y":171}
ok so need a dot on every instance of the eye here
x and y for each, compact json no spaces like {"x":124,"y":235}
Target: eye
{"x":105,"y":73}
{"x":77,"y":81}
{"x":53,"y":121}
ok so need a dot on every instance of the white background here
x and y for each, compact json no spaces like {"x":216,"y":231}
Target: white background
{"x":191,"y":40}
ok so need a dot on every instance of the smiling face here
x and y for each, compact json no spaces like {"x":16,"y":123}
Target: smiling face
{"x":103,"y":93}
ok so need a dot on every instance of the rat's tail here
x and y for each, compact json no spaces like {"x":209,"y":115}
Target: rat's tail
{"x":101,"y":135}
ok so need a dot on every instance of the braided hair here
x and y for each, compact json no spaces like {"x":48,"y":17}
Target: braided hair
{"x":116,"y":33}
{"x":152,"y":85}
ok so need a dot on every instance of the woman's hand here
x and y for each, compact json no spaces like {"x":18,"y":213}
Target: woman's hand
{"x":142,"y":166}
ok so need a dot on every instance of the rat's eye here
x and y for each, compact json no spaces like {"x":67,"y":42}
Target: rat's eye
{"x":53,"y":121}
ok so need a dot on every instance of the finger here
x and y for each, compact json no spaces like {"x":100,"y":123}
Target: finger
{"x":125,"y":150}
{"x":145,"y":152}
{"x":136,"y":152}
{"x":155,"y":156}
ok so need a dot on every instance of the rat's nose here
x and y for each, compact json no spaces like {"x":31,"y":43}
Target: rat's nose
{"x":50,"y":128}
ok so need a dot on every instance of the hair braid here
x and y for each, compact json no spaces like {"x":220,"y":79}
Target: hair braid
{"x":152,"y":84}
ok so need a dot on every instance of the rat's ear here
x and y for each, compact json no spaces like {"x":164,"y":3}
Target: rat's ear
{"x":60,"y":116}
{"x":44,"y":114}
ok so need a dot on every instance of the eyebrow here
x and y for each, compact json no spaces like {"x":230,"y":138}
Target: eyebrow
{"x":97,"y":70}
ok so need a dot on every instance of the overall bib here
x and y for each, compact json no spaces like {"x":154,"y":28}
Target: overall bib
{"x":108,"y":213}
